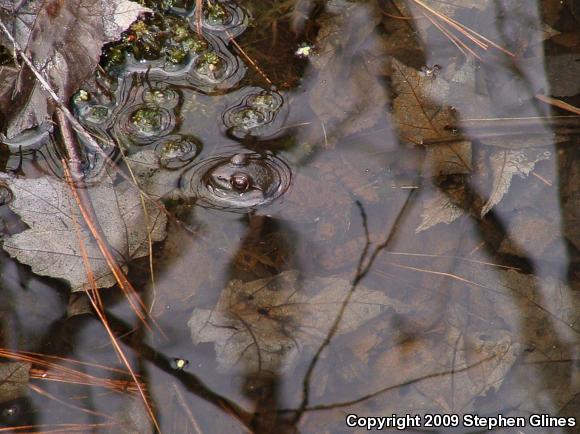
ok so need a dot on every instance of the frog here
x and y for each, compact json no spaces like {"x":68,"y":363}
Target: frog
{"x":241,"y":175}
{"x":241,"y":181}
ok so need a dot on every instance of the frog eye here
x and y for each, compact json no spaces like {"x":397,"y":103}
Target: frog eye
{"x":241,"y":181}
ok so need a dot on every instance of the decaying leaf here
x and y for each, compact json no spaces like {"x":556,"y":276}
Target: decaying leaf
{"x":490,"y":355}
{"x":133,"y":418}
{"x":64,"y":40}
{"x":421,"y":116}
{"x":525,"y":240}
{"x":51,"y":245}
{"x":418,"y":108}
{"x":504,"y":165}
{"x":265,"y":324}
{"x":490,"y":320}
{"x":439,"y":209}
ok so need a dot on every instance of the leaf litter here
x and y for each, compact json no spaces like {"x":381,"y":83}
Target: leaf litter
{"x":64,"y":41}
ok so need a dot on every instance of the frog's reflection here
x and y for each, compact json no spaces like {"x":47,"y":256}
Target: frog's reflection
{"x":267,"y":249}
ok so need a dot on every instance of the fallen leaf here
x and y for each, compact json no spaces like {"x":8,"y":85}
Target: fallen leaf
{"x":421,"y":115}
{"x":267,"y":323}
{"x":133,"y":418}
{"x":504,"y":165}
{"x":64,"y":41}
{"x":489,"y":354}
{"x":51,"y":245}
{"x":418,"y":108}
{"x":490,"y":319}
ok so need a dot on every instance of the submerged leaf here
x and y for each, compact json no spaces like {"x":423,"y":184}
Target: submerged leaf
{"x":504,"y":165}
{"x":64,"y":41}
{"x":265,"y":324}
{"x":417,"y":109}
{"x":51,"y":244}
{"x":421,"y":116}
{"x":14,"y":379}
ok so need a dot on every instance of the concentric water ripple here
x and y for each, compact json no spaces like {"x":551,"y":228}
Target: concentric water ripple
{"x":237,"y":182}
{"x":177,"y":151}
{"x":213,"y":69}
{"x":217,"y":69}
{"x":163,"y":95}
{"x":166,"y":45}
{"x":260,"y":113}
{"x":145,"y":123}
{"x":148,"y":112}
{"x":226,"y":19}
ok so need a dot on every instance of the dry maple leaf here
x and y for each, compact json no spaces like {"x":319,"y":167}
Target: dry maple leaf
{"x":265,"y":324}
{"x":64,"y":41}
{"x":51,"y":245}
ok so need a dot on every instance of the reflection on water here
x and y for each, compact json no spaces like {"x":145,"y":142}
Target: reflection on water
{"x":383,"y":224}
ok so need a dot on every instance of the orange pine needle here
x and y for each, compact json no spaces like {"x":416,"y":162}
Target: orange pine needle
{"x":126,"y":286}
{"x":100,"y":312}
{"x":440,"y":21}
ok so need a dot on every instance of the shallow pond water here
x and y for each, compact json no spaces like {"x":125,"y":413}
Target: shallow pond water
{"x":327,"y":209}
